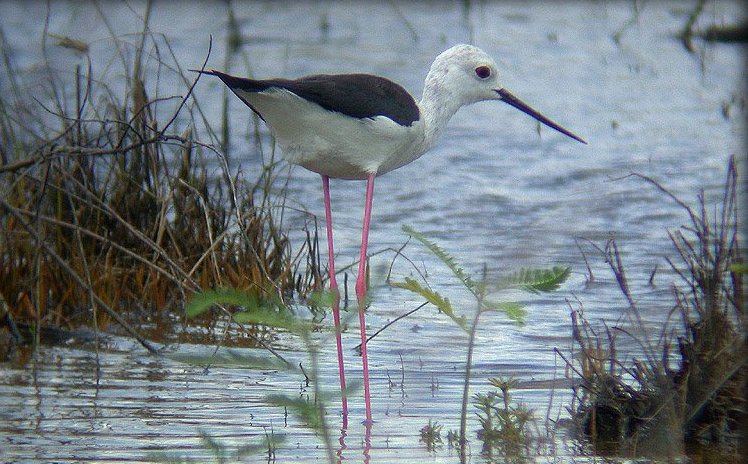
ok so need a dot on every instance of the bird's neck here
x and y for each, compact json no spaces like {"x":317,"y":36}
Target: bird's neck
{"x":438,"y":105}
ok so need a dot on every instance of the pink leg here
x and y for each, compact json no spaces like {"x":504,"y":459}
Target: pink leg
{"x":361,"y":291}
{"x":334,"y":289}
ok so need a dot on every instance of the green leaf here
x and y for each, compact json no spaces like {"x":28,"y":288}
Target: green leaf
{"x":201,"y":302}
{"x":739,"y":268}
{"x":322,"y":298}
{"x":514,"y":311}
{"x":537,"y":280}
{"x":441,"y":303}
{"x":446,"y":258}
{"x":504,"y":383}
{"x":269,"y":317}
{"x":255,"y":310}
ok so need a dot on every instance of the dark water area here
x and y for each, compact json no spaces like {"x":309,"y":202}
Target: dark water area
{"x":493,"y":192}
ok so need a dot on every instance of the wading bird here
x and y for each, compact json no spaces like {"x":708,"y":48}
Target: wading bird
{"x":360,"y":126}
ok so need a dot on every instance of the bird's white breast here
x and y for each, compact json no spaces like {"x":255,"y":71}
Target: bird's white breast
{"x":332,"y":143}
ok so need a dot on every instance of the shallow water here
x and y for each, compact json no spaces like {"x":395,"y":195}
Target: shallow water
{"x":492,"y":193}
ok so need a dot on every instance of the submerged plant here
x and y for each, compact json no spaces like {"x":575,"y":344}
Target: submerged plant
{"x":533,"y":281}
{"x":453,"y":439}
{"x":505,"y":429}
{"x":431,"y":435}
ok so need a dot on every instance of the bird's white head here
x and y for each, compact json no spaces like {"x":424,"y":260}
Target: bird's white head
{"x":462,"y":75}
{"x":466,"y":73}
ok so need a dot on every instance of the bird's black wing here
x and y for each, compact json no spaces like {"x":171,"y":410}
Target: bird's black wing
{"x":355,"y":95}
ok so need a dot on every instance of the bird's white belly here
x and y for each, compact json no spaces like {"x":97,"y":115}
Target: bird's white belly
{"x":334,"y":144}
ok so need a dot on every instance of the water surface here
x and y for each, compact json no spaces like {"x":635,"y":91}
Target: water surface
{"x":493,"y":192}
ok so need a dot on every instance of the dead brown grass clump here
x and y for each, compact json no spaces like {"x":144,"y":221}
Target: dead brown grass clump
{"x":108,"y":209}
{"x":651,"y":406}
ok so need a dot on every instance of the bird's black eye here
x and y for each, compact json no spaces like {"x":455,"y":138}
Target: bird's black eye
{"x":483,"y":72}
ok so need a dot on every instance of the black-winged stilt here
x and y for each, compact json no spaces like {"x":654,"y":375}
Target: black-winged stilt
{"x":359,"y":126}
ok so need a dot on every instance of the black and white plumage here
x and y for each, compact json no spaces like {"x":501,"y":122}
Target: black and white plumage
{"x":359,"y":96}
{"x":359,"y":126}
{"x":352,"y":125}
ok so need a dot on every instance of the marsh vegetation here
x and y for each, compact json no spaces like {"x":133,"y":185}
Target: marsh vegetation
{"x":123,"y":201}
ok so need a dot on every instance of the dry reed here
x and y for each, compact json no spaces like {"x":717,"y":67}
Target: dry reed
{"x":109,"y":211}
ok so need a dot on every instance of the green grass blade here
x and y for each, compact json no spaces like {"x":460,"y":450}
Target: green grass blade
{"x":203,"y":301}
{"x":268,"y":317}
{"x":321,"y":298}
{"x":537,"y":280}
{"x":441,"y":303}
{"x":514,"y":311}
{"x":445,"y":257}
{"x":255,"y":310}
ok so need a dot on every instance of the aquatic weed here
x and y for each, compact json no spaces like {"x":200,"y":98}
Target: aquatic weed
{"x":431,"y":435}
{"x":533,"y":281}
{"x":649,"y":406}
{"x":505,"y":428}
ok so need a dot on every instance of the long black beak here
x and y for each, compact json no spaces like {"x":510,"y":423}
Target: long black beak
{"x":507,"y":97}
